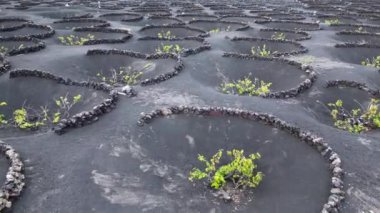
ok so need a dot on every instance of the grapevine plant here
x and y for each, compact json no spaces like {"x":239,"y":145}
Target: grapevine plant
{"x":246,"y":86}
{"x":240,"y":171}
{"x":332,"y":21}
{"x":356,"y":120}
{"x":278,"y":36}
{"x":360,"y":30}
{"x":374,"y":62}
{"x":3,"y":49}
{"x":262,"y":51}
{"x":124,"y":75}
{"x":218,"y":29}
{"x":215,"y":30}
{"x":169,"y":48}
{"x":24,"y":120}
{"x":166,"y":35}
{"x":3,"y":121}
{"x":72,"y":40}
{"x":64,"y":107}
{"x":28,"y":118}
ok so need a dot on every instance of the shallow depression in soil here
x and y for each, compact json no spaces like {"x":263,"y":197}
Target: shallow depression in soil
{"x":245,"y":46}
{"x":228,"y":69}
{"x":159,"y":21}
{"x":60,"y":14}
{"x":86,"y":67}
{"x":295,"y":174}
{"x":195,"y":17}
{"x":7,"y":46}
{"x":287,"y":35}
{"x":242,"y":19}
{"x":354,"y":55}
{"x":179,"y":32}
{"x":356,"y":28}
{"x":150,"y":68}
{"x":25,"y":31}
{"x":97,"y":35}
{"x":71,"y":25}
{"x":118,"y":17}
{"x":35,"y":92}
{"x":251,"y":32}
{"x":151,"y":46}
{"x":291,"y":26}
{"x":352,"y":99}
{"x":213,"y":25}
{"x":7,"y":24}
{"x":372,"y":39}
{"x":280,"y":16}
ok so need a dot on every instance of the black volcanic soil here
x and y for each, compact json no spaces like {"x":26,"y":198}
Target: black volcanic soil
{"x":113,"y":165}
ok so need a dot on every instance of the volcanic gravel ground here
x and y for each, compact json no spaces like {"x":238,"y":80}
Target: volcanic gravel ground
{"x":114,"y":165}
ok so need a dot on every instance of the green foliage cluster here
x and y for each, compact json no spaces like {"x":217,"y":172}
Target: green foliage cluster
{"x":357,"y":120}
{"x":124,"y":75}
{"x":278,"y":36}
{"x":332,"y":21}
{"x":64,"y":106}
{"x":170,"y":48}
{"x":262,"y":51}
{"x":73,"y":40}
{"x":215,"y":30}
{"x":3,"y":50}
{"x":218,"y":29}
{"x":240,"y":170}
{"x":3,"y":120}
{"x":374,"y":62}
{"x":28,"y":118}
{"x":360,"y":30}
{"x":166,"y":35}
{"x":246,"y":86}
{"x":21,"y":119}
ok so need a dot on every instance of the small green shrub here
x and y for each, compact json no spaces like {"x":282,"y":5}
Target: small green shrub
{"x":332,"y":21}
{"x":124,"y":75}
{"x":132,"y":78}
{"x":72,"y":40}
{"x":170,"y":48}
{"x":241,"y":170}
{"x":246,"y":86}
{"x":166,"y":35}
{"x":218,"y":29}
{"x":374,"y":62}
{"x":262,"y":51}
{"x":21,"y":118}
{"x":357,"y":120}
{"x":360,"y":30}
{"x":64,"y":106}
{"x":3,"y":50}
{"x":29,"y":118}
{"x":215,"y":30}
{"x":278,"y":36}
{"x":3,"y":120}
